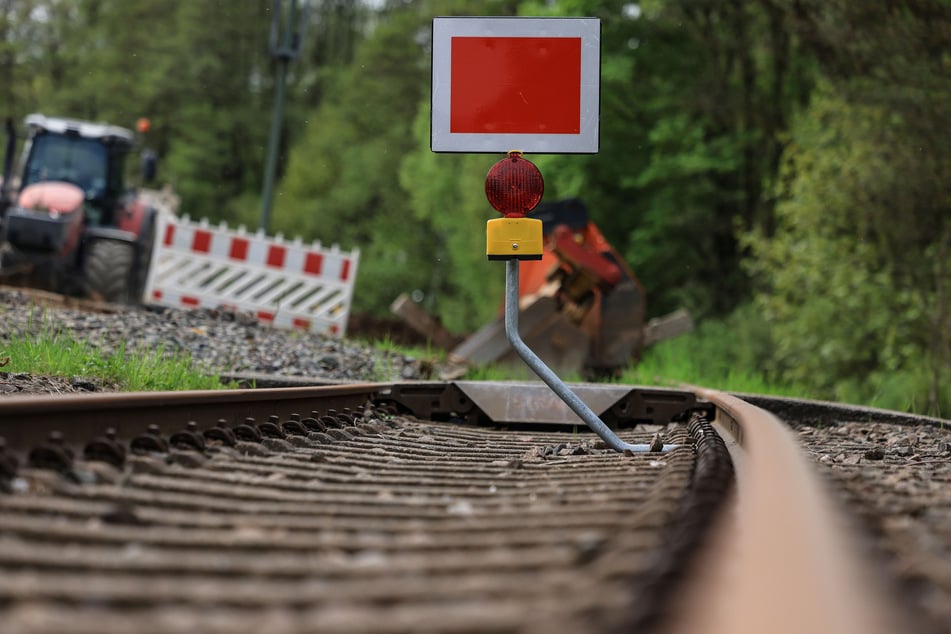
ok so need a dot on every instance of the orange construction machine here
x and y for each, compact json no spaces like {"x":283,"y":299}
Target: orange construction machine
{"x":581,"y":308}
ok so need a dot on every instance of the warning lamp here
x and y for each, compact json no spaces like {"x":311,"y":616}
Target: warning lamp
{"x":143,"y":125}
{"x":514,"y":187}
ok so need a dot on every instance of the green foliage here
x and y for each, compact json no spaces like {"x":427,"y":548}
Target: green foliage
{"x":342,"y":182}
{"x":854,"y":277}
{"x":693,"y":98}
{"x":197,"y":70}
{"x":217,"y":128}
{"x":466,"y":289}
{"x":850,"y":290}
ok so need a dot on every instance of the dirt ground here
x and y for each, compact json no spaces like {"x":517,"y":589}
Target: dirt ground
{"x":25,"y":383}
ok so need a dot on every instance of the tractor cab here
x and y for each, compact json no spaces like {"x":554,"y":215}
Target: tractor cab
{"x":90,"y":156}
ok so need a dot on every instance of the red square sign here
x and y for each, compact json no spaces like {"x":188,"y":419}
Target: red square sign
{"x":529,"y":84}
{"x":516,"y":84}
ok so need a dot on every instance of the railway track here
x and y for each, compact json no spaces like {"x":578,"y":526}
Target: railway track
{"x":420,"y":507}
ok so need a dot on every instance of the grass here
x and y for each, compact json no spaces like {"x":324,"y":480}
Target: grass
{"x":53,"y":353}
{"x":492,"y":373}
{"x":385,"y":367}
{"x":668,"y":364}
{"x":387,"y":346}
{"x":713,"y":356}
{"x":688,"y":360}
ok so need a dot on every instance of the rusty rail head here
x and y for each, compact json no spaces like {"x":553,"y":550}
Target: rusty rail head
{"x":26,"y":421}
{"x":784,"y":561}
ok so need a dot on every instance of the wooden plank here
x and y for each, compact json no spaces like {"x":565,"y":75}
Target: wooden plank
{"x":667,"y":327}
{"x":422,"y":322}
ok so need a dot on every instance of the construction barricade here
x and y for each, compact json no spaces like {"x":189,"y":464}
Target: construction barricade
{"x":284,"y":284}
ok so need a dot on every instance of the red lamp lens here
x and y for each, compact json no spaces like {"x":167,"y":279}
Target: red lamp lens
{"x":514,"y":186}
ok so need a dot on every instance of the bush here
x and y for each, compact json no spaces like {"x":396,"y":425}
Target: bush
{"x":852,"y":279}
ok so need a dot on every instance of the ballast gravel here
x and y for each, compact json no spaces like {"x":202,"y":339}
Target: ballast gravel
{"x":218,"y":342}
{"x":895,"y":481}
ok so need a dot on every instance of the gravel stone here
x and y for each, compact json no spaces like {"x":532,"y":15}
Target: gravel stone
{"x":217,"y":341}
{"x":895,"y":479}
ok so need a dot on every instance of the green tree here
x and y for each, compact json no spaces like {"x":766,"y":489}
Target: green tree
{"x":695,"y":96}
{"x":216,"y":98}
{"x":465,"y":289}
{"x":199,"y":71}
{"x":855,"y":277}
{"x":342,"y":181}
{"x":20,"y":56}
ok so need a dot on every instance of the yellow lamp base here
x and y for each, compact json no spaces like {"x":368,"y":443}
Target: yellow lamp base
{"x":513,"y":239}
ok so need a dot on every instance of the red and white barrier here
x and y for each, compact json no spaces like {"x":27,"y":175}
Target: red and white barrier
{"x":284,"y":284}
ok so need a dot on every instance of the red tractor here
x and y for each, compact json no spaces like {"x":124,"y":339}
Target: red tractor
{"x":69,"y":223}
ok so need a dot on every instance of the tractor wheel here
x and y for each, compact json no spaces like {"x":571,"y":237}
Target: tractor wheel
{"x":108,"y":270}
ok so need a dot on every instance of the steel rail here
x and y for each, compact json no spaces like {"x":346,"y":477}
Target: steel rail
{"x":27,"y":420}
{"x":784,"y":559}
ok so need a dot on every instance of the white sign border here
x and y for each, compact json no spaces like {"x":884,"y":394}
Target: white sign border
{"x":586,"y":142}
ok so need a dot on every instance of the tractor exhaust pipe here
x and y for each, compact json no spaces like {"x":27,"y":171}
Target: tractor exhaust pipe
{"x":6,"y":186}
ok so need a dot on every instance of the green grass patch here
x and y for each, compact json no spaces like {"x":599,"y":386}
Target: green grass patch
{"x":387,"y":346}
{"x":692,"y":359}
{"x":54,"y":353}
{"x":733,"y":354}
{"x":389,"y":361}
{"x":493,"y":373}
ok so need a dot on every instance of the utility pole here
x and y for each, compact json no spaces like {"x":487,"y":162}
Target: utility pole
{"x":284,"y":45}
